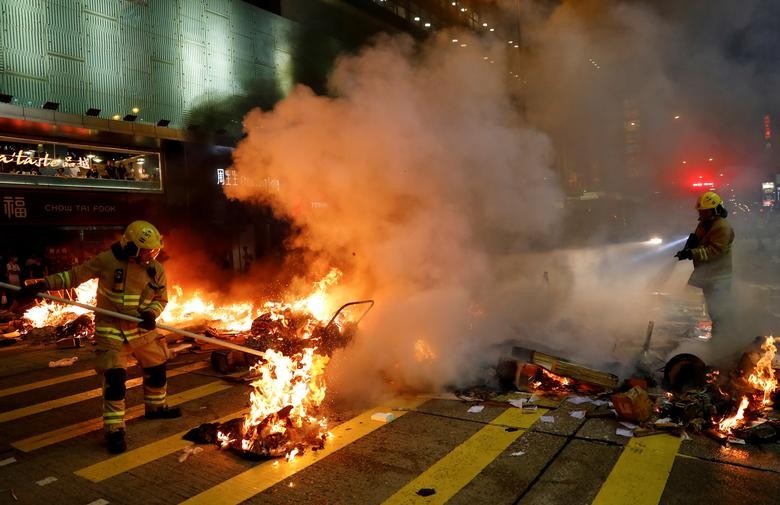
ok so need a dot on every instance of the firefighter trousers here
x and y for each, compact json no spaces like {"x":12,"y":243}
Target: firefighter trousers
{"x":727,"y":341}
{"x":111,"y":364}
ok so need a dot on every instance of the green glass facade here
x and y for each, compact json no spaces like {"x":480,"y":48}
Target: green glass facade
{"x":175,"y":60}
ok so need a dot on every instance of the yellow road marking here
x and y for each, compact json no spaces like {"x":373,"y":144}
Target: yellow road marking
{"x":86,"y":395}
{"x":259,"y":478}
{"x":137,"y":457}
{"x":452,"y":472}
{"x":74,"y":430}
{"x":44,"y":383}
{"x":640,"y":474}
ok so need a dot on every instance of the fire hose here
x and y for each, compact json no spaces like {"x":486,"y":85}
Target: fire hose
{"x":134,"y":319}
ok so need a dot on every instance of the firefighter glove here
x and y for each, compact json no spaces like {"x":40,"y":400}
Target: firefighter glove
{"x":30,"y":292}
{"x":684,"y":254}
{"x":148,"y":321}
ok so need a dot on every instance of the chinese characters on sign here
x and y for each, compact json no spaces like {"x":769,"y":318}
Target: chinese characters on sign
{"x":230,"y":177}
{"x":14,"y":207}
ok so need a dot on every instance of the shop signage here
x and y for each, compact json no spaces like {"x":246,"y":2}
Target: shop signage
{"x":19,"y":158}
{"x":14,"y":207}
{"x":73,"y":209}
{"x":230,"y":177}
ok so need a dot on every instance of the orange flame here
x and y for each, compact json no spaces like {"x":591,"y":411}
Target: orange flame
{"x":287,"y":391}
{"x":763,"y":376}
{"x":563,"y":381}
{"x":48,"y":313}
{"x":728,"y":423}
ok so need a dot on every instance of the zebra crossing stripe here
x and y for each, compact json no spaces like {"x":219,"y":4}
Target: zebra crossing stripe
{"x":44,"y":383}
{"x":137,"y":457}
{"x":75,"y":430}
{"x":459,"y":467}
{"x":37,"y":408}
{"x":640,"y":474}
{"x":259,"y":478}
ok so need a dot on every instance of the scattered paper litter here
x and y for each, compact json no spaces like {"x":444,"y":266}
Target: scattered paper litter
{"x":476,"y":408}
{"x":99,"y":501}
{"x":63,"y":362}
{"x":599,"y":403}
{"x":630,"y":426}
{"x":577,"y":400}
{"x":684,"y":435}
{"x":624,"y":432}
{"x":517,"y":403}
{"x":382,"y":417}
{"x":518,"y":453}
{"x":7,"y":461}
{"x":188,"y":451}
{"x":530,"y":408}
{"x":733,"y":440}
{"x":47,"y":480}
{"x":547,"y":419}
{"x":664,"y":420}
{"x":579,"y":414}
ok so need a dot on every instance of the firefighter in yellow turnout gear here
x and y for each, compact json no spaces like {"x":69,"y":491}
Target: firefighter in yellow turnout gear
{"x":132,"y":282}
{"x":709,"y":246}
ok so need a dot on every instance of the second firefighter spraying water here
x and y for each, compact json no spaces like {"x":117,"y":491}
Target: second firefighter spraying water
{"x":709,"y":247}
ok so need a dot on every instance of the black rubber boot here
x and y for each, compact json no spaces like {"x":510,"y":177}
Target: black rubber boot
{"x":164,"y":413}
{"x":115,"y":441}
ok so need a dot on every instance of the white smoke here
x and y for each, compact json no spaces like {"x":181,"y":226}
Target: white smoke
{"x":422,"y":178}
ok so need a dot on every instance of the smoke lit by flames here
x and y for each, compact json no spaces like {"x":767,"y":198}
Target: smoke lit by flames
{"x":287,"y":390}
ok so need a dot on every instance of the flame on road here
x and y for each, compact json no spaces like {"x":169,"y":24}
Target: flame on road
{"x":763,"y":376}
{"x":48,"y":313}
{"x":287,"y":392}
{"x":764,"y":383}
{"x":729,"y":423}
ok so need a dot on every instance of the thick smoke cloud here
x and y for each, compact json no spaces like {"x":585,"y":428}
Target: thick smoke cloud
{"x":427,"y":177}
{"x":410,"y":179}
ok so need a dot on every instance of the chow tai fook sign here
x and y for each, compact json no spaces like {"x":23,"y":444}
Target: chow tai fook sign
{"x":38,"y":163}
{"x":69,"y":209}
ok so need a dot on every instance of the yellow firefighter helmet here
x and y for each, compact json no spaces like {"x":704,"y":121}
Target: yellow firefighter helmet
{"x":143,"y":235}
{"x":709,"y":200}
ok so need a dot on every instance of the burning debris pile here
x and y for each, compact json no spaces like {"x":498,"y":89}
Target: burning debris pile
{"x":288,"y":382}
{"x":536,"y":371}
{"x":295,"y":338}
{"x":289,"y":331}
{"x":738,"y":407}
{"x":734,"y":407}
{"x":66,"y":325}
{"x":284,"y":417}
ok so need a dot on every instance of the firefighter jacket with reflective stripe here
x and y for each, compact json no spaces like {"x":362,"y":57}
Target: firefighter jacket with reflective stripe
{"x":712,"y":257}
{"x":124,"y":286}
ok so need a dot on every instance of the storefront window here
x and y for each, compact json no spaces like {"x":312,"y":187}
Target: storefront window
{"x":75,"y":166}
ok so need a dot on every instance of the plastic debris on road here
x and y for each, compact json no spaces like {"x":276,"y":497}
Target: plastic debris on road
{"x":475,"y":409}
{"x":188,"y":451}
{"x":63,"y":362}
{"x":47,"y":480}
{"x":382,"y":417}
